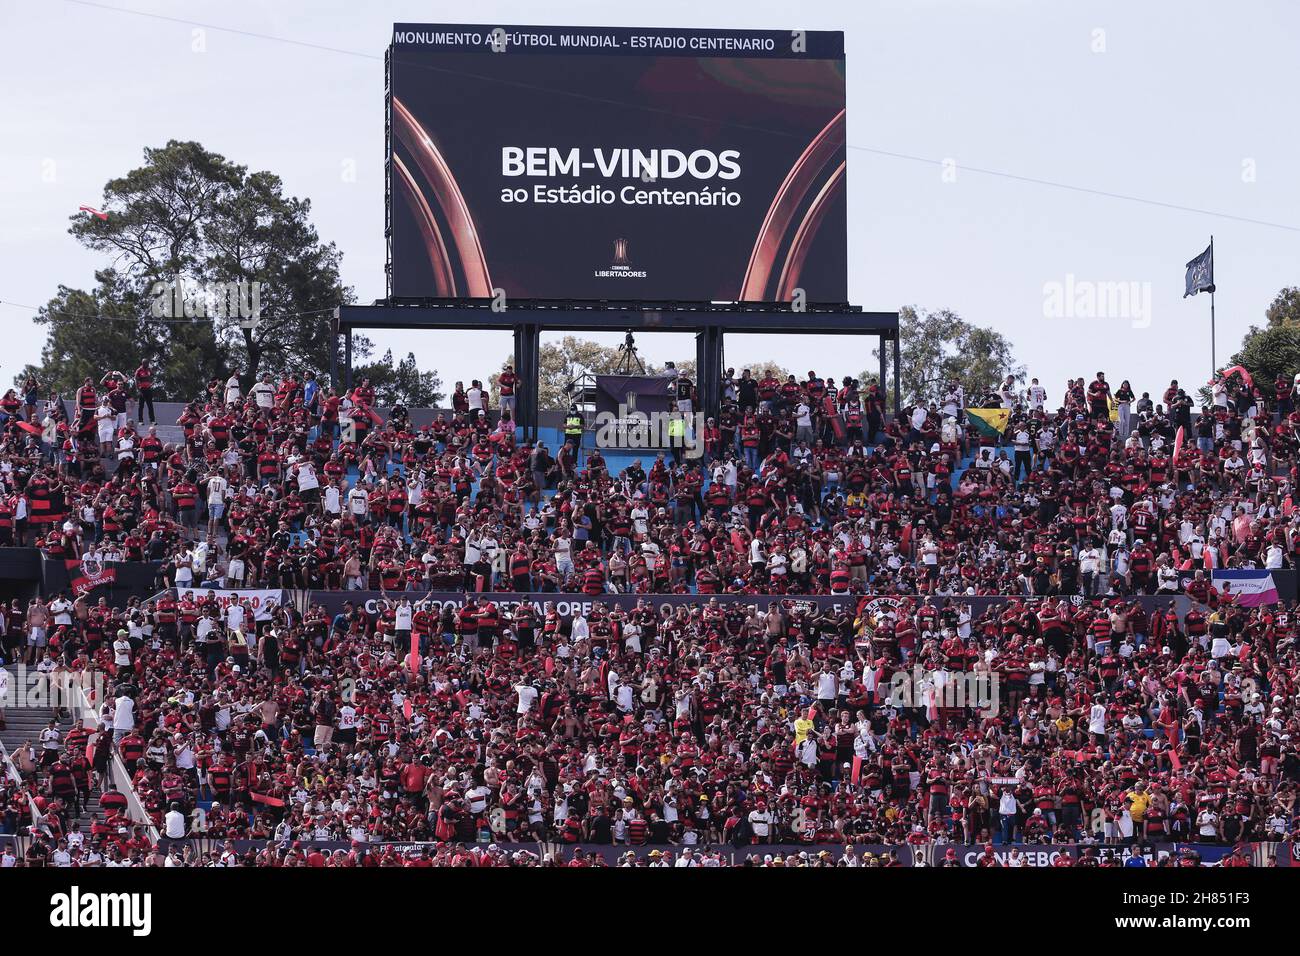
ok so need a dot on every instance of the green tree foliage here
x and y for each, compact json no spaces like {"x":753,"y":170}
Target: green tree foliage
{"x":192,"y":215}
{"x":940,"y":347}
{"x":1272,"y":349}
{"x":402,"y":383}
{"x":79,"y":346}
{"x":1269,"y":352}
{"x":1285,"y":308}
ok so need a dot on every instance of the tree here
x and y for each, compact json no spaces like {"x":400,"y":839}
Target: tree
{"x":1285,"y":308}
{"x":92,"y":332}
{"x":190,"y":215}
{"x":564,"y":361}
{"x":1269,"y":352}
{"x":762,"y":370}
{"x":1274,"y":349}
{"x":403,"y":383}
{"x":940,"y":347}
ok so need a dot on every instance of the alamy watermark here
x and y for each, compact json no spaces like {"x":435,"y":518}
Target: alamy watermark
{"x":956,"y":689}
{"x":29,"y":687}
{"x":1089,"y":299}
{"x":179,"y":299}
{"x":87,"y":909}
{"x":629,"y":428}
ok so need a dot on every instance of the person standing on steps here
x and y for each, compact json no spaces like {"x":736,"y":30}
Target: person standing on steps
{"x":144,"y":385}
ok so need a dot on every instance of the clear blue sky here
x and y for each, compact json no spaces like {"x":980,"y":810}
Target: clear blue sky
{"x":1183,"y":102}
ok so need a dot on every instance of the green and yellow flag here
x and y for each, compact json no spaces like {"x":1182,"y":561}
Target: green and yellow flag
{"x":991,"y":422}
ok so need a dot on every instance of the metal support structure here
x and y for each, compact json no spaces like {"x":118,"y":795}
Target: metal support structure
{"x":707,"y":321}
{"x":883,"y":355}
{"x":347,"y":360}
{"x":898,"y":377}
{"x":528,"y":351}
{"x":334,"y":354}
{"x":708,"y":369}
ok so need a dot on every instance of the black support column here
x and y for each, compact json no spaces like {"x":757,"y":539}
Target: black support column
{"x":334,"y":350}
{"x":883,"y":354}
{"x":528,"y":348}
{"x":347,"y":359}
{"x":708,"y":369}
{"x":898,"y":378}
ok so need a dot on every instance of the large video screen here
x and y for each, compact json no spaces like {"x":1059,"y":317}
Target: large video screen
{"x":615,"y":163}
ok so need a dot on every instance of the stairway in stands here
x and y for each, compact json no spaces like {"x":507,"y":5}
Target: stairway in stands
{"x":167,"y":434}
{"x":23,"y":724}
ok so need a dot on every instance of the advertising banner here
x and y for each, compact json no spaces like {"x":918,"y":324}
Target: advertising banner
{"x":1029,"y":855}
{"x":617,"y":163}
{"x":568,"y":604}
{"x":264,"y":602}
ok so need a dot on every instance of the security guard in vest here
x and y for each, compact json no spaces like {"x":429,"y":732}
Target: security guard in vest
{"x":573,"y":432}
{"x":676,"y":432}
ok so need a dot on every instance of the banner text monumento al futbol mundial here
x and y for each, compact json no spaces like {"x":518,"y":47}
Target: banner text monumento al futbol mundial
{"x":562,"y":162}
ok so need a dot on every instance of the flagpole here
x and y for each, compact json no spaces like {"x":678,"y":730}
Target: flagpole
{"x":1214,"y":365}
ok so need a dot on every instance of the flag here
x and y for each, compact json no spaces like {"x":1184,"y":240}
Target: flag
{"x":89,"y":573}
{"x":857,"y":771}
{"x":93,"y":211}
{"x":991,"y":422}
{"x":1238,"y":370}
{"x":413,"y":658}
{"x":1200,"y":273}
{"x":1113,"y":407}
{"x":1253,"y":588}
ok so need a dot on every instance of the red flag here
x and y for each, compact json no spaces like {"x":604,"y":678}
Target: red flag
{"x":1173,"y":759}
{"x":93,"y":211}
{"x":267,"y":800}
{"x":89,"y":574}
{"x":413,"y":662}
{"x":857,"y":770}
{"x":1238,"y":370}
{"x":31,"y":428}
{"x":1178,"y":444}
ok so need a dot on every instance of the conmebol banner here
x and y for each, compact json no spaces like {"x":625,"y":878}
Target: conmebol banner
{"x":615,"y":163}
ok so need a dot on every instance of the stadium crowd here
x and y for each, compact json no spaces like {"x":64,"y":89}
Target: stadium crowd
{"x":802,"y":489}
{"x":1116,"y":720}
